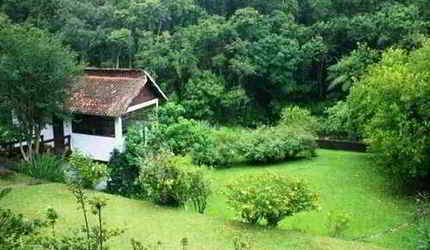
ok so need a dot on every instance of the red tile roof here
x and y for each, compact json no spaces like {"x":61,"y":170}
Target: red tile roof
{"x":108,"y":92}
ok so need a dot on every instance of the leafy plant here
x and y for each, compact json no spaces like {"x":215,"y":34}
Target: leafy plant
{"x":13,"y":227}
{"x":270,"y":197}
{"x":220,"y":150}
{"x":242,"y":242}
{"x":336,"y":123}
{"x":350,"y":68}
{"x":88,"y":171}
{"x":181,"y":136}
{"x":167,"y":180}
{"x":271,"y":144}
{"x":337,"y":223}
{"x":88,"y":238}
{"x":123,"y":174}
{"x":422,"y":222}
{"x":4,"y":192}
{"x":390,"y":108}
{"x":47,"y":166}
{"x":52,"y":217}
{"x":423,"y":233}
{"x":297,"y":117}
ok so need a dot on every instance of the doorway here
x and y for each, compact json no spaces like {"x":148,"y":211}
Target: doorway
{"x":58,"y":127}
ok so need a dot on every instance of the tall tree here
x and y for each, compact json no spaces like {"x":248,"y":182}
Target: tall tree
{"x":36,"y":72}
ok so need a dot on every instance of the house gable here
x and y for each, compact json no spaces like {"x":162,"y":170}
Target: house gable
{"x":111,"y":92}
{"x":146,"y":94}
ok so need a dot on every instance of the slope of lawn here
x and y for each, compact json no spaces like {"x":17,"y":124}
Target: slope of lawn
{"x":346,"y":181}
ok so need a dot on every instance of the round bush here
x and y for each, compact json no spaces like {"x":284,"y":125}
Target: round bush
{"x":270,"y":197}
{"x":169,"y":180}
{"x":219,"y":150}
{"x":180,"y":137}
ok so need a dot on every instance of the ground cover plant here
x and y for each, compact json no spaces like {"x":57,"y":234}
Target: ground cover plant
{"x":346,"y":182}
{"x":48,"y":167}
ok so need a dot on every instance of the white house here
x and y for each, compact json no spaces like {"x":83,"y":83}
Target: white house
{"x":101,"y":102}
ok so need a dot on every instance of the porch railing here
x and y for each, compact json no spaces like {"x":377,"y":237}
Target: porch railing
{"x":10,"y":146}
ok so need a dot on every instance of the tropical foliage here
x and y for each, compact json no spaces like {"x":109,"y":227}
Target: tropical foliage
{"x":230,"y":60}
{"x":390,"y":107}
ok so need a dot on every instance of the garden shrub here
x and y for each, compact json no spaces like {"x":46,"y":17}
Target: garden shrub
{"x":47,"y":167}
{"x":168,"y":180}
{"x":122,"y":175}
{"x":169,"y":113}
{"x":336,"y":123}
{"x":141,"y":141}
{"x":272,"y":144}
{"x":180,"y":137}
{"x":13,"y":227}
{"x":271,"y":197}
{"x":88,"y":172}
{"x":391,"y":107}
{"x":219,"y":150}
{"x":297,"y":117}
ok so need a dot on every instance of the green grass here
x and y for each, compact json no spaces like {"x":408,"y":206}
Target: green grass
{"x":346,"y":181}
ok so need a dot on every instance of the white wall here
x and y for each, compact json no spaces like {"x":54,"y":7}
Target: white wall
{"x":96,"y":147}
{"x":67,"y":128}
{"x":48,"y":132}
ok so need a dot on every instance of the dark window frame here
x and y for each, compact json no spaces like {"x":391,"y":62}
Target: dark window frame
{"x":93,"y":125}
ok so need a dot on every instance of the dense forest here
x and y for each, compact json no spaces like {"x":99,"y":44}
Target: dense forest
{"x":233,"y":60}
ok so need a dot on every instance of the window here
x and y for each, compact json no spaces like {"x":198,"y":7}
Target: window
{"x":140,"y":117}
{"x":93,"y":125}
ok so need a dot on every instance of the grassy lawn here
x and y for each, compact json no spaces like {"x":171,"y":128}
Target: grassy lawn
{"x":346,"y":181}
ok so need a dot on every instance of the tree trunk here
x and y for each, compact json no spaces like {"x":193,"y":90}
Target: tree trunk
{"x":24,"y":155}
{"x":29,"y":147}
{"x":117,"y":59}
{"x":37,"y":131}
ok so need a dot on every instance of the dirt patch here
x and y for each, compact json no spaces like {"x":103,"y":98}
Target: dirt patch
{"x":5,"y":173}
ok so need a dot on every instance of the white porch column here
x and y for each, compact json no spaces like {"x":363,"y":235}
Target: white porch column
{"x":119,"y":140}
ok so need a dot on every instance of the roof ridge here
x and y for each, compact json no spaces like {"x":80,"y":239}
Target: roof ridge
{"x":115,"y":77}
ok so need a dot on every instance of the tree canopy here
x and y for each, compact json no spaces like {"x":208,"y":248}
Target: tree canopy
{"x":36,"y":72}
{"x":263,"y":53}
{"x":391,"y":108}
